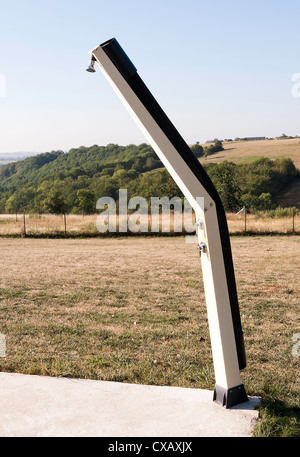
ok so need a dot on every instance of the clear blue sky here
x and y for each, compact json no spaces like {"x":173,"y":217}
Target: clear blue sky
{"x":218,"y":69}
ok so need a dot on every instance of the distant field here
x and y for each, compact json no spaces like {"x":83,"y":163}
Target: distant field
{"x":133,"y":310}
{"x":243,"y":151}
{"x":247,"y":151}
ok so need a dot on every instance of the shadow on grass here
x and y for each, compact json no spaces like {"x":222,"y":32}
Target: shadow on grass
{"x":277,"y":419}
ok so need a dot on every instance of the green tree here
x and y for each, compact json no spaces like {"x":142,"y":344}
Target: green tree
{"x":86,"y":201}
{"x":249,"y":200}
{"x":11,"y":205}
{"x":216,"y":146}
{"x":55,"y":204}
{"x":21,"y":200}
{"x":197,"y":149}
{"x":223,"y":175}
{"x":266,"y":202}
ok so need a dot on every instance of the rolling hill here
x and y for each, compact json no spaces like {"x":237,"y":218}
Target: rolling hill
{"x":248,"y":151}
{"x":257,"y":174}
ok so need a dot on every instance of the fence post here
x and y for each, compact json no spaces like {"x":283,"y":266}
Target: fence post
{"x":24,"y":223}
{"x":294,"y":213}
{"x":293,"y":223}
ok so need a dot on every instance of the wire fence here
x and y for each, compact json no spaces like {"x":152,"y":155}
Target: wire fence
{"x":46,"y":225}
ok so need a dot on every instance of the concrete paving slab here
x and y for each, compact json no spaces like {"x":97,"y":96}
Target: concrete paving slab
{"x":40,"y":406}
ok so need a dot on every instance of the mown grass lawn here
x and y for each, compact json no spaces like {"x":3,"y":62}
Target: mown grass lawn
{"x":133,"y":310}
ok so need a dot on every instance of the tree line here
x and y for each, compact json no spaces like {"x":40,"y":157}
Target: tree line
{"x":60,"y":183}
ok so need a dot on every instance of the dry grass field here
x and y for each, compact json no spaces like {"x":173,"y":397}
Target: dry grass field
{"x":133,"y":310}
